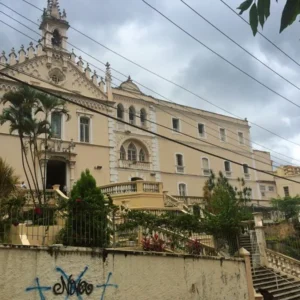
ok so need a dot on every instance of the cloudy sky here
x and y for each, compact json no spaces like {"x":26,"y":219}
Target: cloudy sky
{"x":131,"y":28}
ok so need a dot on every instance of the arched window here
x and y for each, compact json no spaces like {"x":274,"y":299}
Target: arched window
{"x":120,"y":111}
{"x":142,"y":156}
{"x":122,"y":153}
{"x":56,"y":122}
{"x":56,"y":40}
{"x":182,"y":189}
{"x":143,"y":116}
{"x":131,"y":115}
{"x":131,"y":152}
{"x":205,"y":166}
{"x":84,"y":129}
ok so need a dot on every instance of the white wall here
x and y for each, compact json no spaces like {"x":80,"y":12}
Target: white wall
{"x":134,"y":275}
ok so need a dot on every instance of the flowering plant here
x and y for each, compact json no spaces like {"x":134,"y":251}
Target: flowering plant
{"x":153,"y":243}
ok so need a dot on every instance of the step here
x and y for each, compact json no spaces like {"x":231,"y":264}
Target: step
{"x":271,"y":283}
{"x":274,"y":286}
{"x":295,"y":291}
{"x":288,"y":297}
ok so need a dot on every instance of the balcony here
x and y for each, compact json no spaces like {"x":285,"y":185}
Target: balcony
{"x":180,"y":169}
{"x":206,"y":172}
{"x":247,"y":176}
{"x":228,"y":174}
{"x":137,"y":165}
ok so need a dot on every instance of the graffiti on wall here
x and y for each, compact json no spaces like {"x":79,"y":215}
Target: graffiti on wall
{"x":69,"y":285}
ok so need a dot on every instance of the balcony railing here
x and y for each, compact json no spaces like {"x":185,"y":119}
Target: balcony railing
{"x":139,"y":186}
{"x":190,"y":200}
{"x":130,"y":164}
{"x":180,"y":169}
{"x":206,"y":172}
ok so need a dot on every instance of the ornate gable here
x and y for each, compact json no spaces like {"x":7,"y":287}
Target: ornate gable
{"x":58,"y":69}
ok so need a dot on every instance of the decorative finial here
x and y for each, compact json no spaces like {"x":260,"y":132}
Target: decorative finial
{"x":107,"y":65}
{"x":3,"y":53}
{"x":22,"y":47}
{"x":31,"y":44}
{"x":64,"y":13}
{"x":129,"y":78}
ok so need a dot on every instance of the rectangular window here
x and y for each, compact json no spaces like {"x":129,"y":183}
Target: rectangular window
{"x":175,"y":123}
{"x":262,"y":188}
{"x":227,"y":166}
{"x":205,"y":166}
{"x":241,"y":138}
{"x":182,"y":189}
{"x":286,"y":191}
{"x":223,"y":134}
{"x":271,"y":188}
{"x":84,"y":130}
{"x":179,"y":163}
{"x":245,"y":169}
{"x":201,"y":130}
{"x":56,"y":120}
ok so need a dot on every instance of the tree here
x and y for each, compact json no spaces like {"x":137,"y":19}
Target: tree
{"x":290,"y":206}
{"x":87,"y":215}
{"x":21,"y":111}
{"x":8,"y":180}
{"x":226,"y":208}
{"x":259,"y":11}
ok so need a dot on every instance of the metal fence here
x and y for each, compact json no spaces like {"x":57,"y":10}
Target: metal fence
{"x":92,"y":228}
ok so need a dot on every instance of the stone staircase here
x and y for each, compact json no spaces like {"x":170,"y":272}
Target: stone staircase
{"x":266,"y":280}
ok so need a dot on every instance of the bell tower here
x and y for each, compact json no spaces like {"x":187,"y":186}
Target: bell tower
{"x":54,"y":27}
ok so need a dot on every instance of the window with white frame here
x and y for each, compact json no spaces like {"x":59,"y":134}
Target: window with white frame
{"x":223,"y":134}
{"x":286,"y":191}
{"x":143,"y":116}
{"x":271,"y":188}
{"x":182,"y":189}
{"x":262,"y":190}
{"x":131,"y":152}
{"x":131,"y":115}
{"x":142,"y":156}
{"x":227,"y":167}
{"x":241,"y":138}
{"x":175,"y":124}
{"x":56,"y":125}
{"x":201,"y":130}
{"x":84,"y":129}
{"x":120,"y":111}
{"x":122,"y":153}
{"x":246,"y":171}
{"x":179,"y":163}
{"x":205,"y":166}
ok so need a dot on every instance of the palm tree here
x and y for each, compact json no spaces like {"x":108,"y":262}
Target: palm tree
{"x":48,"y":104}
{"x":8,"y":180}
{"x":17,"y":114}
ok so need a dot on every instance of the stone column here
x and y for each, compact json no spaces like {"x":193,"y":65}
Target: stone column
{"x":246,"y":255}
{"x":260,"y":237}
{"x":72,"y":173}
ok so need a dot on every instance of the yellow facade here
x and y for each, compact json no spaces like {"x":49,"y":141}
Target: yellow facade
{"x":116,"y":152}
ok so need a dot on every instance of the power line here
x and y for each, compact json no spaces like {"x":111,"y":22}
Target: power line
{"x":149,"y":121}
{"x":220,"y":56}
{"x":140,"y":128}
{"x":237,"y":44}
{"x":167,"y":80}
{"x":244,"y":150}
{"x":262,"y":35}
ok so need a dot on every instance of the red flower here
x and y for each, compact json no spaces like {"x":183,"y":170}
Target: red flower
{"x":78,"y":200}
{"x":38,"y":211}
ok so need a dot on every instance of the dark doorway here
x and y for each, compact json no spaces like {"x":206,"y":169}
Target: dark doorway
{"x":136,"y":178}
{"x":56,"y":174}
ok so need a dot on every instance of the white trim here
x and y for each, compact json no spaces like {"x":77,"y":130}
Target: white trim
{"x":89,"y":116}
{"x":205,"y":157}
{"x":179,"y":126}
{"x":204,"y":136}
{"x":242,"y":132}
{"x":249,"y":174}
{"x":176,"y":165}
{"x":186,"y":188}
{"x":225,"y":134}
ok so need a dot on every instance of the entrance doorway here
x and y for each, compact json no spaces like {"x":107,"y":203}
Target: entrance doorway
{"x":136,"y":178}
{"x":56,"y":174}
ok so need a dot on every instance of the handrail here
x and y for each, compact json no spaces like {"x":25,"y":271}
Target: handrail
{"x":283,"y":263}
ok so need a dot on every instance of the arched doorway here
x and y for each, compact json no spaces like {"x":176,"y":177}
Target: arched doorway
{"x":136,"y":178}
{"x":56,"y":174}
